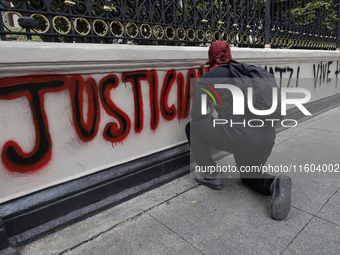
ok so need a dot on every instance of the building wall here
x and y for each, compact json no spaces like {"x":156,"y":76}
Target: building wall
{"x":70,"y":110}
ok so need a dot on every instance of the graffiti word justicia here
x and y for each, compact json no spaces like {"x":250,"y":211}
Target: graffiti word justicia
{"x":34,"y":88}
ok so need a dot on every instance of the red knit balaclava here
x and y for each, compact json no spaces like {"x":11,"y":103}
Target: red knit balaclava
{"x":219,"y":53}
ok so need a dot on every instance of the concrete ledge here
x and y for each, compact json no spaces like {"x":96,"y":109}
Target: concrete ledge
{"x":37,"y":214}
{"x":68,"y":58}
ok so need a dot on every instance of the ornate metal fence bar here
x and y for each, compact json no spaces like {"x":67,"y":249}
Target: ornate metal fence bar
{"x":244,"y":23}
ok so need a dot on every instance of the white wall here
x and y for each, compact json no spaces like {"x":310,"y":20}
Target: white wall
{"x":50,"y":146}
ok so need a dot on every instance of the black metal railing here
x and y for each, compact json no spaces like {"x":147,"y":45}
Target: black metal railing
{"x":252,"y":23}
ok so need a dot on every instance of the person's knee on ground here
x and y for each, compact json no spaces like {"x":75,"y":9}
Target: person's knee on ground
{"x":260,"y":185}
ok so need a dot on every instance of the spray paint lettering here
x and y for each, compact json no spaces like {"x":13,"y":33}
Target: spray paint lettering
{"x":113,"y":132}
{"x":321,"y":73}
{"x":34,"y":88}
{"x":87,"y":127}
{"x":86,"y":131}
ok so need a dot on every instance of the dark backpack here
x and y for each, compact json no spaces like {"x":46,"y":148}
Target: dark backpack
{"x":262,"y":82}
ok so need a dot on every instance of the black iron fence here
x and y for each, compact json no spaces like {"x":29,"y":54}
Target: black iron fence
{"x":252,"y":23}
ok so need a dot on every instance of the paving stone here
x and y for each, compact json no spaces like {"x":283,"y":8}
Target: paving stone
{"x":311,"y":147}
{"x":319,"y":237}
{"x":234,"y":220}
{"x":143,"y":235}
{"x":331,"y":209}
{"x":83,"y":231}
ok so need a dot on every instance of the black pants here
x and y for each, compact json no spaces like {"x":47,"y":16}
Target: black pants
{"x":251,"y":146}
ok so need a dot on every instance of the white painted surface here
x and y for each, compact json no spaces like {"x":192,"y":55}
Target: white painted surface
{"x":72,"y":157}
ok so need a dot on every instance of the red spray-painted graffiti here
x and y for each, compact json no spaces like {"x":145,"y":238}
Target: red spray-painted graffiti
{"x":86,"y":131}
{"x":112,"y":132}
{"x":135,"y":79}
{"x":34,"y":88}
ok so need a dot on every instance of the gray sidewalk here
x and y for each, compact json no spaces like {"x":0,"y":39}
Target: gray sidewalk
{"x":182,"y":217}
